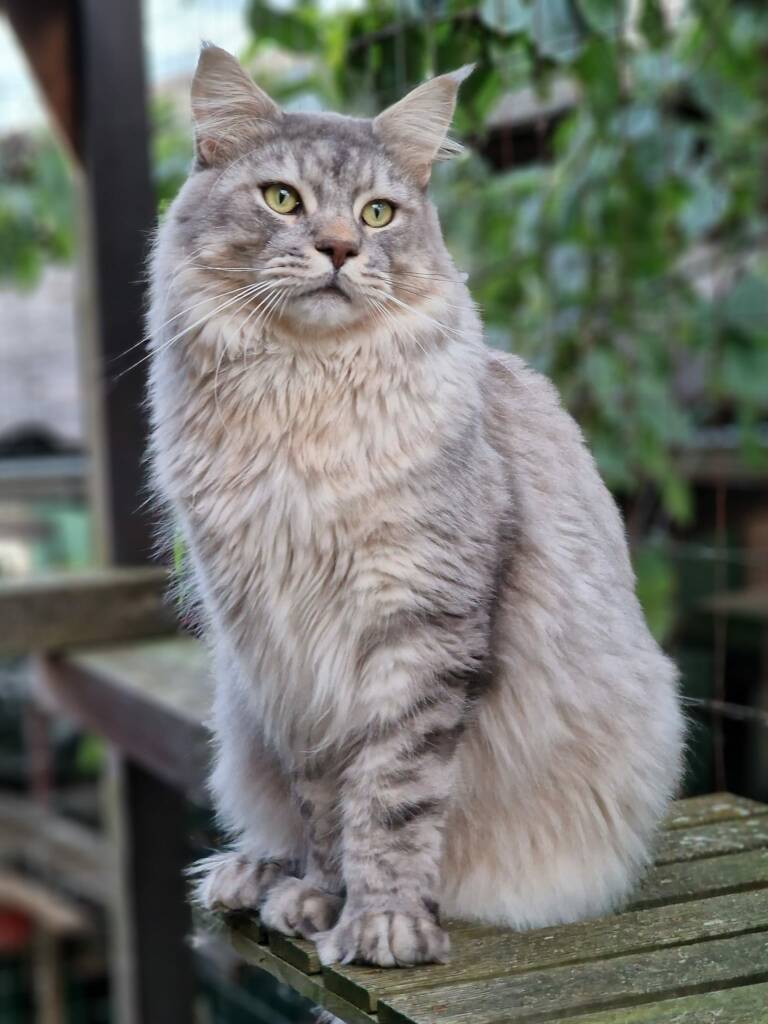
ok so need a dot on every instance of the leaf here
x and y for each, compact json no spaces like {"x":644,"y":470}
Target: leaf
{"x":568,"y":268}
{"x":293,"y":29}
{"x":598,"y":68}
{"x":746,"y":307}
{"x":505,"y":16}
{"x":652,"y":23}
{"x":556,"y":29}
{"x":604,"y":16}
{"x":656,"y":589}
{"x":705,"y":206}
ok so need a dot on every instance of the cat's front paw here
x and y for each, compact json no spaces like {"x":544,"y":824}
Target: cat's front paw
{"x":231,"y":881}
{"x":385,"y":939}
{"x":295,"y":908}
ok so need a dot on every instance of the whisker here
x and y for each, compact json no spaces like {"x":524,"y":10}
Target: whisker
{"x":166,"y":345}
{"x":425,"y":316}
{"x":200,"y":302}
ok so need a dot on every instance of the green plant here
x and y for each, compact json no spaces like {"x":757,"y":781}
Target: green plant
{"x":628,"y":262}
{"x":596,"y":265}
{"x":36,"y":207}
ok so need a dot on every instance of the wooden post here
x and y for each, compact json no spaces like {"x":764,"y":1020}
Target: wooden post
{"x":48,"y":982}
{"x":153,"y":979}
{"x":120,"y":215}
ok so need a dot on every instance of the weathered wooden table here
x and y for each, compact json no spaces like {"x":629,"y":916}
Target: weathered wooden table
{"x":691,"y":949}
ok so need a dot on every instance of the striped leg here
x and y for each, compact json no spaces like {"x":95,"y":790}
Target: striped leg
{"x":311,"y":904}
{"x":395,"y":794}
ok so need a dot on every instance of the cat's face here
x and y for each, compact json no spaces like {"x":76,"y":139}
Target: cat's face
{"x":313,"y":221}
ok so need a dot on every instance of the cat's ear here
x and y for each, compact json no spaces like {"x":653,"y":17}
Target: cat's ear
{"x":415,"y":129}
{"x":228,"y":109}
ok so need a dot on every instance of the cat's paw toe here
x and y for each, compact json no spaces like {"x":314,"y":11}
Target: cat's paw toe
{"x":385,"y":939}
{"x":231,"y":881}
{"x":295,"y":908}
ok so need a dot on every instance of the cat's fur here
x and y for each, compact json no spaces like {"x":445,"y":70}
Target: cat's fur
{"x":435,"y":686}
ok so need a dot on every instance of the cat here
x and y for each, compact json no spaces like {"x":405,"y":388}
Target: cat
{"x":436,"y":694}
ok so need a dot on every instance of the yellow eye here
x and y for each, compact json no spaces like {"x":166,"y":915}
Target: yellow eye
{"x":282,"y":198}
{"x":377,"y":213}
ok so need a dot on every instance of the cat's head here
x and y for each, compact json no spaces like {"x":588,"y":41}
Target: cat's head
{"x":319,"y":220}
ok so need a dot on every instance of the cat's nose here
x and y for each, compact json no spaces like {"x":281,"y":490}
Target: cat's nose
{"x":337,"y":249}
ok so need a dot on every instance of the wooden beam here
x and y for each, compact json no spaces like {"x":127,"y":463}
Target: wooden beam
{"x":65,"y":610}
{"x":45,"y":30}
{"x":46,"y":841}
{"x":46,"y":477}
{"x":120,"y":218}
{"x":154,"y":715}
{"x":52,"y":912}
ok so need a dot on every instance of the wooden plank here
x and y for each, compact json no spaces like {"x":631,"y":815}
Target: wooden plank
{"x":247,"y":923}
{"x":623,"y":981}
{"x":173,"y":673}
{"x":48,"y":842}
{"x":712,"y":840}
{"x":298,"y":952}
{"x":688,"y":880}
{"x":147,"y":699}
{"x":475,"y":957}
{"x":55,"y":914}
{"x":65,"y":610}
{"x":310,"y":987}
{"x":705,"y":810}
{"x":45,"y":31}
{"x":43,"y":477}
{"x":750,"y":603}
{"x":747,"y":1005}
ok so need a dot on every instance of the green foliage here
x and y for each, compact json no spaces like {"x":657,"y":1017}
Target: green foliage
{"x":37,"y":199}
{"x":171,"y":152}
{"x":626,"y":263}
{"x":598,"y":266}
{"x":36,"y":208}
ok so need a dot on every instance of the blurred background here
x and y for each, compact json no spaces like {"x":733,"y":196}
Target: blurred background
{"x":611,"y":211}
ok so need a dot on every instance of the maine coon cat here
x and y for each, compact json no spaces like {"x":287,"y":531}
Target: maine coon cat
{"x":436,"y":693}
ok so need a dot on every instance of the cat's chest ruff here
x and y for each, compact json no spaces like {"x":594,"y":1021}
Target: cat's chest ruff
{"x":290,"y":446}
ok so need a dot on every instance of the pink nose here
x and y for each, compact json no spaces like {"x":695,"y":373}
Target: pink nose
{"x":337,"y":249}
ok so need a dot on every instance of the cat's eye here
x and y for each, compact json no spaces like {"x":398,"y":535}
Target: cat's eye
{"x":282,"y":198}
{"x":377,"y":213}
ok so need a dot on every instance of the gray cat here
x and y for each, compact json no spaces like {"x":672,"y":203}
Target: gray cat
{"x":436,"y":693}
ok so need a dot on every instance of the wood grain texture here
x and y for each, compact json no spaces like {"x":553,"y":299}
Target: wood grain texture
{"x":68,"y":610}
{"x":299,"y":952}
{"x":747,"y":1005}
{"x":705,"y":810}
{"x":146,"y":699}
{"x":310,"y":987}
{"x":619,"y":982}
{"x":697,"y":925}
{"x":699,"y":879}
{"x":475,"y":958}
{"x":712,"y":840}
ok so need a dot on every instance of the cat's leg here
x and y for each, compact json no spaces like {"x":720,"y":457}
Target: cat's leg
{"x":394,"y":801}
{"x":255,"y":803}
{"x":312,"y":903}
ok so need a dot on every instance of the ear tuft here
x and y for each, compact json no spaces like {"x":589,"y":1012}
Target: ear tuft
{"x":415,"y":129}
{"x":228,"y":109}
